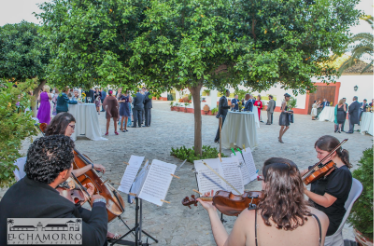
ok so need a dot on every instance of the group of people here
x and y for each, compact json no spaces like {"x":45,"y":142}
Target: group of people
{"x":282,"y":213}
{"x":354,"y":112}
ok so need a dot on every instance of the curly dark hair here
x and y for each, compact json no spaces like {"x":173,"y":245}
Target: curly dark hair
{"x":328,"y":143}
{"x":48,"y":156}
{"x":59,"y":123}
{"x":283,"y":201}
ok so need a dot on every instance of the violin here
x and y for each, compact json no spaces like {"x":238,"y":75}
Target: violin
{"x":68,"y":190}
{"x":228,"y":203}
{"x":115,"y":205}
{"x":319,"y":169}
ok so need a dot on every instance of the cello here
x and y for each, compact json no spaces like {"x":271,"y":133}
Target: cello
{"x":115,"y":205}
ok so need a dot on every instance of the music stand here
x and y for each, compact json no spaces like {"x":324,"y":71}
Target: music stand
{"x":137,"y":228}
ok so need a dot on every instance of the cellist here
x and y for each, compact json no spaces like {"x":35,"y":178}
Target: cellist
{"x":329,"y":194}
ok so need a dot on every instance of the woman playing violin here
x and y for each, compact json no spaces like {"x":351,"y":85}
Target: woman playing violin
{"x":329,"y":194}
{"x":282,"y":217}
{"x":64,"y":124}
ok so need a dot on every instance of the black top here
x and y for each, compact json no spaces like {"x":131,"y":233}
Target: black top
{"x":337,"y":184}
{"x":32,"y":199}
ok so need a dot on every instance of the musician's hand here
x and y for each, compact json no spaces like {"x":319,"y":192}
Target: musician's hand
{"x":90,"y":188}
{"x":94,"y":197}
{"x":208,"y":205}
{"x":99,"y":168}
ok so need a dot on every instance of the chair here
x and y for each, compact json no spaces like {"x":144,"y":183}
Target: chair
{"x":337,"y":238}
{"x":20,"y":163}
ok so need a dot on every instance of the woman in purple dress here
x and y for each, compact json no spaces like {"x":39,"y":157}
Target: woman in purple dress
{"x":44,"y":112}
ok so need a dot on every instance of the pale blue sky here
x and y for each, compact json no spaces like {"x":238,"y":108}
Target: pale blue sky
{"x":13,"y":11}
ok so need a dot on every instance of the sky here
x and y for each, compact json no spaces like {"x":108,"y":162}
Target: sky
{"x":14,"y":11}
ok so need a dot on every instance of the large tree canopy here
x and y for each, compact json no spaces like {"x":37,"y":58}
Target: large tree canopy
{"x":190,"y":43}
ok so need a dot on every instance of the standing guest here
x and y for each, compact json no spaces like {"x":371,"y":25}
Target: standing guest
{"x":76,"y":96}
{"x":282,"y":218}
{"x":130,"y":110}
{"x":44,"y":111}
{"x":143,"y":110}
{"x":330,"y":193}
{"x":372,"y":103}
{"x":284,"y":119}
{"x":223,"y":107}
{"x":325,"y":103}
{"x":124,"y":110}
{"x":102,"y":98}
{"x":258,"y":103}
{"x":54,"y":101}
{"x":345,"y":113}
{"x":354,"y":115}
{"x":248,"y":105}
{"x":49,"y":163}
{"x":63,"y":101}
{"x":270,"y":110}
{"x":252,"y":99}
{"x":90,"y":96}
{"x":235,"y":103}
{"x":339,"y":115}
{"x":147,"y":108}
{"x":314,"y":110}
{"x":97,"y":98}
{"x":138,"y":102}
{"x":111,"y":108}
{"x":363,"y":107}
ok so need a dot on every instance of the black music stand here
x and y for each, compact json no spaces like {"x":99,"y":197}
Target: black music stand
{"x":137,"y":228}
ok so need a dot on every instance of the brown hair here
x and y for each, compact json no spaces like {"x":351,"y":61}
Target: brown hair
{"x":283,"y":201}
{"x":341,"y":102}
{"x":328,"y":143}
{"x":59,"y":124}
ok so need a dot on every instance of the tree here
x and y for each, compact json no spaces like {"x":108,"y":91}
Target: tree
{"x":365,"y":46}
{"x":24,"y":54}
{"x":190,"y":44}
{"x":253,"y":43}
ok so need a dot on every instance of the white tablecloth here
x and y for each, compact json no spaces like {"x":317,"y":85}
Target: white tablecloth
{"x":255,"y":112}
{"x":239,"y":129}
{"x":87,"y":121}
{"x":327,"y":114}
{"x":366,"y":124}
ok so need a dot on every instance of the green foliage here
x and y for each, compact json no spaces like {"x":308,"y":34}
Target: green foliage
{"x":241,"y":93}
{"x":189,"y":97}
{"x":189,"y":154}
{"x":292,"y":103}
{"x":214,"y":111}
{"x":24,"y":53}
{"x":15,"y":127}
{"x":361,"y":216}
{"x":206,"y":92}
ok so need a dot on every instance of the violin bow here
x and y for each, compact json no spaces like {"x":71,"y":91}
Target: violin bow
{"x":221,"y":178}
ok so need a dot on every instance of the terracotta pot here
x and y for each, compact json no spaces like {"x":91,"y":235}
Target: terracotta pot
{"x":361,"y":239}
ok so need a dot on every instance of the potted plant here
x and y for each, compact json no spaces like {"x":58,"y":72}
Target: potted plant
{"x":292,"y":103}
{"x":185,"y":107}
{"x":214,"y":111}
{"x":206,"y":92}
{"x":172,"y":106}
{"x":361,"y":216}
{"x":189,"y":98}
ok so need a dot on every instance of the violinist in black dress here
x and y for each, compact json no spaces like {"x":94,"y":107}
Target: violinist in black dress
{"x":330,"y":194}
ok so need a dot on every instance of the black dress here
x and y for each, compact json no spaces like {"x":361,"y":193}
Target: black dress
{"x":337,"y":184}
{"x":284,"y":119}
{"x":340,"y":115}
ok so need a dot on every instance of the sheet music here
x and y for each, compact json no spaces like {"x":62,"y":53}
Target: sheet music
{"x":130,"y":173}
{"x":229,"y":169}
{"x":233,"y":174}
{"x":138,"y":183}
{"x":248,"y":158}
{"x":243,"y":167}
{"x":157,"y":182}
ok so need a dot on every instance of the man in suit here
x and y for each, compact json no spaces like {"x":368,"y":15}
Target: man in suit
{"x":147,"y":107}
{"x":138,"y":102}
{"x":325,"y":103}
{"x":270,"y":110}
{"x":223,"y":107}
{"x":49,"y":163}
{"x":248,"y":105}
{"x":354,"y":114}
{"x":90,"y":94}
{"x":235,"y":103}
{"x":103,"y":96}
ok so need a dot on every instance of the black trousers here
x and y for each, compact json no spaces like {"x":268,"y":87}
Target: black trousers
{"x":137,"y":117}
{"x":217,"y":135}
{"x":147,"y":116}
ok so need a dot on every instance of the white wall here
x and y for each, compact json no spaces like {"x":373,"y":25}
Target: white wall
{"x":364,"y":83}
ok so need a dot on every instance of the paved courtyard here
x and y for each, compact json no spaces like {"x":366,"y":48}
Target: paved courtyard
{"x":174,"y":224}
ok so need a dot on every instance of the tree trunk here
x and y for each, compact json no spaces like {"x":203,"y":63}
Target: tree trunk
{"x":195,"y":92}
{"x":36,"y":93}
